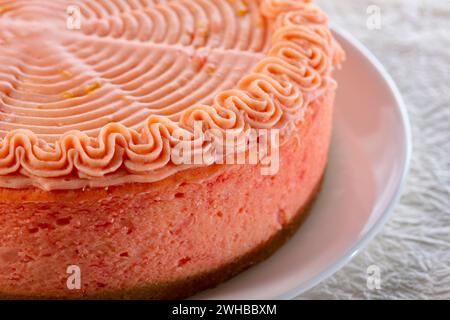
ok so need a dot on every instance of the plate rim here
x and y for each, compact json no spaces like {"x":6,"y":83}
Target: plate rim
{"x":394,"y":198}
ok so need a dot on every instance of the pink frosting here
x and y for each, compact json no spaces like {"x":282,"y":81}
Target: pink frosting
{"x":99,"y":106}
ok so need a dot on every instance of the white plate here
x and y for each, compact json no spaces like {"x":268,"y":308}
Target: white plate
{"x":368,"y":163}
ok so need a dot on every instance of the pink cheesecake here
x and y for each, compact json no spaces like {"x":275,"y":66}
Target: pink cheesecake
{"x":117,"y":177}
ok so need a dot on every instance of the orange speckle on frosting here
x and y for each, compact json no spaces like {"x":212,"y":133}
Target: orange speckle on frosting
{"x":90,"y":88}
{"x":65,"y":73}
{"x":69,"y":95}
{"x":210,"y":69}
{"x":126,"y":98}
{"x":93,"y":87}
{"x":242,"y":11}
{"x":4,"y":9}
{"x":202,"y":32}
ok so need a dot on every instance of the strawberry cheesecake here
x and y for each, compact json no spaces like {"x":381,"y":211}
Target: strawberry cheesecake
{"x":153,"y":149}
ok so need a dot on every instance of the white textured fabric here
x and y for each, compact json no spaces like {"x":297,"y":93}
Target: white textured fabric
{"x":413,"y":250}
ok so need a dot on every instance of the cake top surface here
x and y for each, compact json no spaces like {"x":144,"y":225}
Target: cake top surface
{"x":97,"y":93}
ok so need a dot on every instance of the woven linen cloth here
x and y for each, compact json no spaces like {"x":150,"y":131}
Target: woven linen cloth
{"x":413,"y":249}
